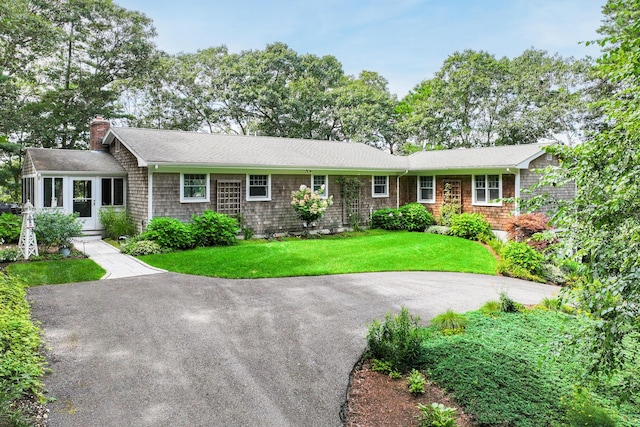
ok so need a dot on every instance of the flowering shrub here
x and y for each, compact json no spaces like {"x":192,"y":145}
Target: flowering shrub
{"x":309,"y":205}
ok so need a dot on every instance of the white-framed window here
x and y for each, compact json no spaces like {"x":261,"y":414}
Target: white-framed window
{"x":112,"y":191}
{"x":194,"y":187}
{"x":380,"y":186}
{"x":426,"y":189}
{"x":258,"y":187}
{"x":487,"y":190}
{"x":53,"y":188}
{"x":317,"y":181}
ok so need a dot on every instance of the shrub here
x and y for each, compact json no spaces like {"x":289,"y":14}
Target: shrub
{"x":10,"y":227}
{"x":436,"y":415}
{"x":116,"y":223}
{"x":416,"y":382}
{"x":469,"y":226}
{"x":310,"y":205}
{"x":214,"y":229}
{"x":387,"y":219}
{"x":449,"y":322}
{"x":510,"y":269}
{"x":396,"y":341}
{"x":55,"y":228}
{"x":8,"y":255}
{"x":552,"y":273}
{"x":385,"y":368}
{"x":438,"y":229}
{"x":169,"y":233}
{"x":415,"y":217}
{"x":141,"y":247}
{"x":524,"y":256}
{"x":543,"y":240}
{"x":520,"y":228}
{"x":507,"y":305}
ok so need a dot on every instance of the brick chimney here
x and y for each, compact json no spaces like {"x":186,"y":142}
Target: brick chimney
{"x":98,"y":128}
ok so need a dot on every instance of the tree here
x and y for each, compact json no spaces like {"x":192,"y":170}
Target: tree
{"x":478,"y":100}
{"x":603,"y":221}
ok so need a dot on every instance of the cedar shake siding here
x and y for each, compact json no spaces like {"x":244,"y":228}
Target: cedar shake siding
{"x":137,"y":185}
{"x":530,"y":177}
{"x":27,"y":166}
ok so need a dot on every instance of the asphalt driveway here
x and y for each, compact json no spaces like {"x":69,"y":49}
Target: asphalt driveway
{"x":178,"y":350}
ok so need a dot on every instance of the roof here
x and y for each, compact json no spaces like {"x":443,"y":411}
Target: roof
{"x":56,"y":160}
{"x":504,"y":156}
{"x":171,"y":147}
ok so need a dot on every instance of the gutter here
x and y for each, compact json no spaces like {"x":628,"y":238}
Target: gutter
{"x":398,"y":188}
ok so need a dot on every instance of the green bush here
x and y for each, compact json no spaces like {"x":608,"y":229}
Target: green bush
{"x":169,"y":233}
{"x":141,"y":247}
{"x":397,"y":341}
{"x":469,"y":226}
{"x":116,"y":223}
{"x":552,"y":273}
{"x":436,"y":415}
{"x":214,"y":229}
{"x":415,"y":217}
{"x":449,"y":322}
{"x":522,"y":255}
{"x":21,"y":365}
{"x":10,"y":227}
{"x":510,"y":269}
{"x":9,"y":255}
{"x":387,"y":219}
{"x":56,"y":228}
{"x":416,"y":382}
{"x":507,"y":305}
{"x":438,"y":229}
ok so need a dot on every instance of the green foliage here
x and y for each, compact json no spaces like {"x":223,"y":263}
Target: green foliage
{"x":510,"y":269}
{"x":449,"y":207}
{"x":491,"y":307}
{"x":10,"y":226}
{"x":438,"y":229}
{"x":214,"y":229}
{"x":310,"y":205}
{"x":141,"y":247}
{"x":436,"y":415}
{"x":385,"y":368}
{"x":524,"y":256}
{"x":507,"y":305}
{"x":552,"y":273}
{"x":9,"y":255}
{"x":169,"y":233}
{"x":53,"y":227}
{"x":396,"y":341}
{"x":469,"y":226}
{"x":416,"y":382}
{"x":21,"y":366}
{"x":583,"y":410}
{"x":449,"y":322}
{"x":116,"y":223}
{"x":410,"y":217}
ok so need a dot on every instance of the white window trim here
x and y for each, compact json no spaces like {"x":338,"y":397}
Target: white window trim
{"x":260,"y":198}
{"x":420,"y":199}
{"x":486,"y":177}
{"x":326,"y":185}
{"x":207,"y":192}
{"x":373,"y":186}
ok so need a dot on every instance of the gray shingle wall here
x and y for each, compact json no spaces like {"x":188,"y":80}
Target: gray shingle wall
{"x":136,"y":184}
{"x":531,"y":177}
{"x":27,"y":166}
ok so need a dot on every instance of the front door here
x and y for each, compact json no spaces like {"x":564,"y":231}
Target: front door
{"x":84,"y":203}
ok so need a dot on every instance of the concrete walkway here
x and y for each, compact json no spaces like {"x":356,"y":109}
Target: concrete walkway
{"x":116,"y":263}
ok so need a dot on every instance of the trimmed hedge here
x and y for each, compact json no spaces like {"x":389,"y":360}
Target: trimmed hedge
{"x":472,"y":226}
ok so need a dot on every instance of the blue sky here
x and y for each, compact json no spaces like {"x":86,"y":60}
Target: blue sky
{"x":406,"y":41}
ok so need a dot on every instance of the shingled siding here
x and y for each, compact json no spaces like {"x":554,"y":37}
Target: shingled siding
{"x":495,"y":215}
{"x":530,"y":177}
{"x":27,"y":166}
{"x":137,"y":184}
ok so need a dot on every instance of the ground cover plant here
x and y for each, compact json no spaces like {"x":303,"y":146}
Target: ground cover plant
{"x":21,"y":366}
{"x":374,"y":250}
{"x":35,"y":273}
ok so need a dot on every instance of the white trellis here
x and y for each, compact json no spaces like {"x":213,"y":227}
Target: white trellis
{"x":27,"y":245}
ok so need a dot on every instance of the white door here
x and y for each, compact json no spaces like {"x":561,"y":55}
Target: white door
{"x":84,"y":202}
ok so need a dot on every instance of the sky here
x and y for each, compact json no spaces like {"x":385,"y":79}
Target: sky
{"x":405,"y":41}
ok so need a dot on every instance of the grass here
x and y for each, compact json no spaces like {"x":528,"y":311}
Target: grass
{"x":503,"y":371}
{"x":372,"y":251}
{"x":36,"y":273}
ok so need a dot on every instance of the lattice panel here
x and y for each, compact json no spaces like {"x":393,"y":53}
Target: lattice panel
{"x":228,"y":197}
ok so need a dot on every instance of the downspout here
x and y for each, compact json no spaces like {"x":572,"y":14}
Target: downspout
{"x":398,"y":188}
{"x":149,"y":195}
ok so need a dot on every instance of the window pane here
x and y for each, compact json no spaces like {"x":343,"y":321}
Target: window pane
{"x":195,"y":185}
{"x":494,"y":194}
{"x":58,"y":191}
{"x":480,"y":181}
{"x":48,"y":192}
{"x":494,"y":181}
{"x":426,"y":194}
{"x":118,"y":192}
{"x":106,"y":192}
{"x":481,"y":195}
{"x":318,"y":181}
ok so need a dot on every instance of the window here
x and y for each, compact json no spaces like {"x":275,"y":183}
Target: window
{"x":380,"y":186}
{"x":258,"y":187}
{"x":317,"y":181}
{"x":112,"y":191}
{"x":194,"y":187}
{"x":52,"y":192}
{"x":28,"y":190}
{"x":487,"y":190}
{"x":426,"y":189}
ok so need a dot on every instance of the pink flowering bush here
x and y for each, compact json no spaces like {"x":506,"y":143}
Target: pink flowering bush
{"x":310,"y":205}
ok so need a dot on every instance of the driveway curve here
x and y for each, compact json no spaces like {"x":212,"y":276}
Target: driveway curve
{"x":179,"y":350}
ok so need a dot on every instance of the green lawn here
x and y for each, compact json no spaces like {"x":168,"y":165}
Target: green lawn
{"x":358,"y":253}
{"x":36,"y":273}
